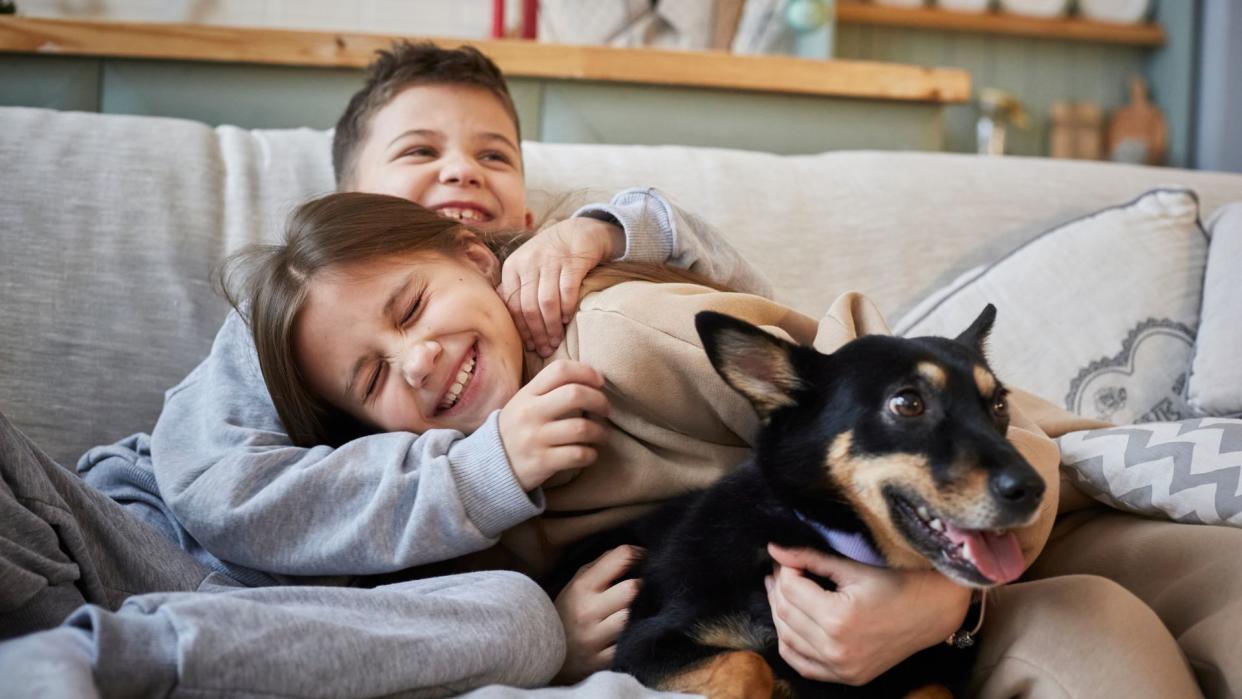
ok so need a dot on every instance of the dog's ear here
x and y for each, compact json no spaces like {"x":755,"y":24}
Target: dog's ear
{"x":754,"y":363}
{"x":976,"y":336}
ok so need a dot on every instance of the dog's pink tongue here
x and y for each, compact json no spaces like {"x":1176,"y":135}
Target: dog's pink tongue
{"x":998,"y":557}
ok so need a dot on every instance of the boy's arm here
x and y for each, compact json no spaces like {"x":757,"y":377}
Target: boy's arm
{"x":381,"y":503}
{"x":658,"y":232}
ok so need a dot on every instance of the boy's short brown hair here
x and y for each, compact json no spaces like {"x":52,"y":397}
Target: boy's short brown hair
{"x":405,"y":65}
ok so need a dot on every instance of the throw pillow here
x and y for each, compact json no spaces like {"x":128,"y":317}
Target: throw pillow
{"x":1216,"y":373}
{"x":1188,"y":471}
{"x":1098,"y":314}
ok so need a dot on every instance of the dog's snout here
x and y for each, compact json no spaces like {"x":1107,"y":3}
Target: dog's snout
{"x":1017,"y":487}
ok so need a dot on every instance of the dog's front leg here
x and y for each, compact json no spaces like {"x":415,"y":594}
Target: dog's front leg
{"x":930,"y":691}
{"x":738,"y":674}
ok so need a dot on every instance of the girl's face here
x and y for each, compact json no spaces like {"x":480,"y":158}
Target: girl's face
{"x":411,"y":343}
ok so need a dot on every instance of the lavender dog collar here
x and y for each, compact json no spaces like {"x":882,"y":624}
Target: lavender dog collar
{"x":852,"y":545}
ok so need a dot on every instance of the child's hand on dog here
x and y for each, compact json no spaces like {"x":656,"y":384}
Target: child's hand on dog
{"x":542,"y":280}
{"x":876,"y":617}
{"x":593,"y":609}
{"x":546,"y":427}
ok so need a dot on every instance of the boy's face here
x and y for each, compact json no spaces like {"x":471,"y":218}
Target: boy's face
{"x":452,"y":148}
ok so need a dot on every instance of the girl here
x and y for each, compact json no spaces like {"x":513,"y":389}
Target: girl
{"x":378,"y":316}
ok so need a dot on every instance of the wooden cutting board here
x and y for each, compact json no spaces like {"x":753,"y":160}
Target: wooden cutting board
{"x":1137,"y":132}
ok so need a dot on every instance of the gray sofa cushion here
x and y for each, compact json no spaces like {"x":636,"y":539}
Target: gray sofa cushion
{"x":112,"y":228}
{"x":103,"y":306}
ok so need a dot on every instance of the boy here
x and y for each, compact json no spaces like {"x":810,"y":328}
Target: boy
{"x":438,"y":127}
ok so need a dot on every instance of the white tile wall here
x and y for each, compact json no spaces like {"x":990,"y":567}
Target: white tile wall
{"x":459,"y":18}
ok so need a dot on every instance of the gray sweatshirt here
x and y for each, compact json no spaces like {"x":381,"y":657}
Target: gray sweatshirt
{"x":235,"y":491}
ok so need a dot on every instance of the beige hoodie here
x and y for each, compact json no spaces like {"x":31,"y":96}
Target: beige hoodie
{"x":675,"y":426}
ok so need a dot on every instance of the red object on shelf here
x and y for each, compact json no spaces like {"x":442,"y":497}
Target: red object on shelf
{"x":498,"y":19}
{"x":530,"y":18}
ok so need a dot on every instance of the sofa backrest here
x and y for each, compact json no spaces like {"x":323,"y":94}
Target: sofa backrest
{"x":111,"y":227}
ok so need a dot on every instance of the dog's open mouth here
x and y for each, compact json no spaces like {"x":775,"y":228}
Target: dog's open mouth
{"x":974,"y":556}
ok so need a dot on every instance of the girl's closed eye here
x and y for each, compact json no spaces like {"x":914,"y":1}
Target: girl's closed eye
{"x":412,"y":310}
{"x":373,"y":382}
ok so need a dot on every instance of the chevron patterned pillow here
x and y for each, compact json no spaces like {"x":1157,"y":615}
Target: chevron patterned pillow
{"x":1187,"y":471}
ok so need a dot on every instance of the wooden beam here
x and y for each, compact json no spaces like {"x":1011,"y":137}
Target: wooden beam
{"x":527,"y":59}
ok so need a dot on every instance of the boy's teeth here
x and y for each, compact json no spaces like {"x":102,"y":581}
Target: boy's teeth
{"x":462,"y":214}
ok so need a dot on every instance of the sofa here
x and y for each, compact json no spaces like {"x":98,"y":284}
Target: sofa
{"x":111,"y":228}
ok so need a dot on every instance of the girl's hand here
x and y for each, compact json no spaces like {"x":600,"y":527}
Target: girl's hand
{"x":541,"y":281}
{"x":593,"y":609}
{"x":543,"y":427}
{"x":876,"y":617}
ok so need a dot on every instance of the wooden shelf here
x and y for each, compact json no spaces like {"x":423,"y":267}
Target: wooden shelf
{"x":527,"y":59}
{"x":1066,"y":29}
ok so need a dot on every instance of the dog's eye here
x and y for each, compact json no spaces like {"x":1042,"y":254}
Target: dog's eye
{"x":1000,"y":405}
{"x":906,"y":404}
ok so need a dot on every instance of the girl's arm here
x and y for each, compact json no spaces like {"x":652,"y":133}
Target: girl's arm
{"x":229,"y":472}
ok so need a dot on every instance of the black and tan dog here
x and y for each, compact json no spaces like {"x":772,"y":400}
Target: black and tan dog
{"x":893,"y":445}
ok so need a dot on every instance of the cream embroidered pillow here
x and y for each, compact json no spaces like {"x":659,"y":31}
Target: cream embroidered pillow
{"x":1097,"y":315}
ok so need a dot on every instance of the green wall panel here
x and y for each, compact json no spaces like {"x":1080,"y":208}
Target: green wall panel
{"x":603,"y":113}
{"x":49,"y":82}
{"x":251,"y":96}
{"x":242,"y":95}
{"x":528,"y":99}
{"x":1171,"y":71}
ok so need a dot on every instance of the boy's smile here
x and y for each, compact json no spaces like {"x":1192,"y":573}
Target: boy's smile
{"x":452,"y":148}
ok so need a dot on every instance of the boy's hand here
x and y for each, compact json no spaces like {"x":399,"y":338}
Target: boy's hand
{"x":541,"y":280}
{"x":543,"y":428}
{"x":876,"y":617}
{"x":594,"y":608}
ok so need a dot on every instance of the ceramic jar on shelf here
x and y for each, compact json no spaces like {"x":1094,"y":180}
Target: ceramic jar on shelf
{"x":964,"y":5}
{"x":1121,"y":11}
{"x":1035,"y":8}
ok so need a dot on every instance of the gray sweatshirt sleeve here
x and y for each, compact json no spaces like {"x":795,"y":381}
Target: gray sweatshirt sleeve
{"x":660,"y":233}
{"x":377,"y":504}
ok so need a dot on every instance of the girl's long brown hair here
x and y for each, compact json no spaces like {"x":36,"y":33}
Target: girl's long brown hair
{"x":268,"y":285}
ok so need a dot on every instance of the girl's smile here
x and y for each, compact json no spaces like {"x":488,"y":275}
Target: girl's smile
{"x":411,"y":344}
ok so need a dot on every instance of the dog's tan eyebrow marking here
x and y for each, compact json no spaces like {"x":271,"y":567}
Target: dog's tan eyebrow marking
{"x":934,"y":373}
{"x":985,"y":380}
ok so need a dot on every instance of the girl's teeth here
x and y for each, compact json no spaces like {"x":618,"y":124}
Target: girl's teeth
{"x":454,"y":391}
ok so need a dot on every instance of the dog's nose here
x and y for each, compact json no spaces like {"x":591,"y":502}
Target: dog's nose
{"x":1018,"y":487}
